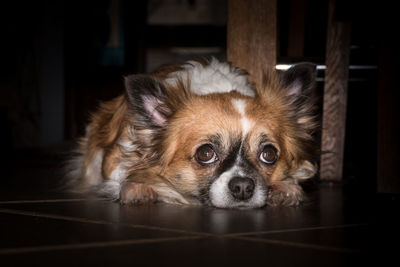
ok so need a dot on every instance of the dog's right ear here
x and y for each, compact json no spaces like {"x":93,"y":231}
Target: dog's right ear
{"x":147,"y":101}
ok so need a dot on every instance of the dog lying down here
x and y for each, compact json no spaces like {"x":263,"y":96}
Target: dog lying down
{"x":201,"y":133}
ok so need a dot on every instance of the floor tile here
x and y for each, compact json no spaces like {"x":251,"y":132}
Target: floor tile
{"x":201,"y":252}
{"x":18,"y":231}
{"x":320,"y":212}
{"x":345,"y":238}
{"x":41,"y":226}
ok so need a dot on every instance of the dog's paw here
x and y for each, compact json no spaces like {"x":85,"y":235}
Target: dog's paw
{"x":137,"y":194}
{"x":284,"y":194}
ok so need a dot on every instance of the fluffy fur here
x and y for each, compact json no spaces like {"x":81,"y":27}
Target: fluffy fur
{"x":200,"y":133}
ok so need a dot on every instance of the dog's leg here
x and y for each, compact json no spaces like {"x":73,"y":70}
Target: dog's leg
{"x":137,"y":193}
{"x":285,"y":193}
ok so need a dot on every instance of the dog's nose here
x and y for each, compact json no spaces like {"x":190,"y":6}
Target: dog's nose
{"x":242,"y":188}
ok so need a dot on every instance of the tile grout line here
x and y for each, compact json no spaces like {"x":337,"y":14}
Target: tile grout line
{"x":85,"y":220}
{"x":296,"y":244}
{"x":296,"y":230}
{"x":102,"y":222}
{"x":61,"y":200}
{"x":95,"y":245}
{"x":195,"y":235}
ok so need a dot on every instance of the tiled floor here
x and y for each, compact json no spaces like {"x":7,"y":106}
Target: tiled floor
{"x":41,"y":227}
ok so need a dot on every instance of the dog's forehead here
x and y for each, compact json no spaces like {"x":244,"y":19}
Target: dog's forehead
{"x":248,"y":115}
{"x":222,"y":112}
{"x":225,"y":117}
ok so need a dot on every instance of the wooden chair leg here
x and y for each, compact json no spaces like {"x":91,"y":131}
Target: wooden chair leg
{"x":252,"y":35}
{"x":335,"y":97}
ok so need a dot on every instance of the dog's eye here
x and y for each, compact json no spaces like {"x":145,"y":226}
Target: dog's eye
{"x":205,"y":154}
{"x":269,"y":154}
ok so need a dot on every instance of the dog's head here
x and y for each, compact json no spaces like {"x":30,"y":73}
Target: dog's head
{"x":218,"y":139}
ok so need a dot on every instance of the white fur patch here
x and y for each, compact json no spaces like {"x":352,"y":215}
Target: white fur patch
{"x":168,"y":195}
{"x":110,"y":189}
{"x":305,"y":171}
{"x":118,"y":174}
{"x":127,"y":146}
{"x":220,"y":195}
{"x":240,"y":106}
{"x":93,"y":170}
{"x":219,"y":192}
{"x":217,"y":77}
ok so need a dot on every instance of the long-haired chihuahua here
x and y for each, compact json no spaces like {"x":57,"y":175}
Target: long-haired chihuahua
{"x":201,"y":133}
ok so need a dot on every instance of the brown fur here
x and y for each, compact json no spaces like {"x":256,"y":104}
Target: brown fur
{"x":137,"y":193}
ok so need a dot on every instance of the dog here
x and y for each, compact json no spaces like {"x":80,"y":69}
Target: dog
{"x":201,"y":133}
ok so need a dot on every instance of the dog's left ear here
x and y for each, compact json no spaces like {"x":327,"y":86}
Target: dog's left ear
{"x":299,"y":84}
{"x":299,"y":80}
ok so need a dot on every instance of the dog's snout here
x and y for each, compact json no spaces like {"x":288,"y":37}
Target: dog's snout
{"x":241,"y":188}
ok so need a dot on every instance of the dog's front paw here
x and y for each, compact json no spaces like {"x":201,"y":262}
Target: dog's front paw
{"x":139,"y":194}
{"x":284,"y":194}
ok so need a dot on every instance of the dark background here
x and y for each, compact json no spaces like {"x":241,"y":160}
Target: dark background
{"x":61,"y":58}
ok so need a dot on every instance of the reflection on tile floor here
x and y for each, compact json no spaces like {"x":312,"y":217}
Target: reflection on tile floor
{"x":41,"y":228}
